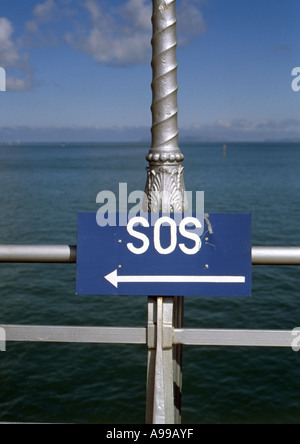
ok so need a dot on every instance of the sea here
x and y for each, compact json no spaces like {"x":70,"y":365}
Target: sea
{"x":43,"y":187}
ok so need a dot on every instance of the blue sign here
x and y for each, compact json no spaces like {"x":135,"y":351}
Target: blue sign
{"x":167,"y":258}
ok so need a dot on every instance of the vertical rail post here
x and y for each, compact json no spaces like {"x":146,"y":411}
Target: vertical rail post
{"x":165,"y":192}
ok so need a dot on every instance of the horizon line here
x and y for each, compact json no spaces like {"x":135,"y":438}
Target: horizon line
{"x":135,"y":142}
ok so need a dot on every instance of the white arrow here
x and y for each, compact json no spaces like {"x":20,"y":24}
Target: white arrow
{"x":114,"y":279}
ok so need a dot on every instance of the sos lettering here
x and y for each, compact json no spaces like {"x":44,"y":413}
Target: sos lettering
{"x":191,"y":235}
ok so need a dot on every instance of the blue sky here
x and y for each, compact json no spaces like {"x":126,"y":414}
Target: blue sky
{"x":79,"y":70}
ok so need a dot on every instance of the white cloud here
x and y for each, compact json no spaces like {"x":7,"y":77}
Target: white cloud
{"x":9,"y":55}
{"x":116,"y":35}
{"x":279,"y":124}
{"x":42,"y":13}
{"x":19,"y":84}
{"x":190,"y":21}
{"x":243,"y":130}
{"x":138,"y":13}
{"x":121,"y":36}
{"x":12,"y":59}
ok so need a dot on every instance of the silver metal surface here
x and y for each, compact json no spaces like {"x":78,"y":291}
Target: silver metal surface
{"x":276,"y":255}
{"x":38,"y":253}
{"x":163,"y":410}
{"x":234,"y":338}
{"x":165,"y":189}
{"x":166,"y":338}
{"x":89,"y":335}
{"x":67,"y":254}
{"x":151,"y":359}
{"x":165,"y":192}
{"x":178,"y":358}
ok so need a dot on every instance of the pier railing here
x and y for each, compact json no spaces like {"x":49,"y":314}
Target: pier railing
{"x":170,"y":336}
{"x":67,"y":254}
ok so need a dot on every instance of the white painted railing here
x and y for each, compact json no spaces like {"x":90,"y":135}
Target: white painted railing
{"x":100,"y":335}
{"x":169,"y":336}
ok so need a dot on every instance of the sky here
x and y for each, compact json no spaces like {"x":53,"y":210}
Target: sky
{"x":80,"y":70}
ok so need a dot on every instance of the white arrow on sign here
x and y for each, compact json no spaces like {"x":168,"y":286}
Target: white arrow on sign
{"x":114,"y":279}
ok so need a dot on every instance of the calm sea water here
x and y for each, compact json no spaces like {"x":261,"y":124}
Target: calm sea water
{"x":43,"y":188}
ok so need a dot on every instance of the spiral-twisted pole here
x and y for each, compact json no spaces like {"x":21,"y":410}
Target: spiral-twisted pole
{"x":164,"y":85}
{"x":165,"y":173}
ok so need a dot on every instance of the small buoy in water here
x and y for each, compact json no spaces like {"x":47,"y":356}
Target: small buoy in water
{"x":224,"y":150}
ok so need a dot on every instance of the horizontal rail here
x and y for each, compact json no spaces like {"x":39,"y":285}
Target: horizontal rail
{"x":67,"y":254}
{"x":115,"y":335}
{"x":87,"y":335}
{"x":276,"y":255}
{"x":59,"y":254}
{"x":234,"y":338}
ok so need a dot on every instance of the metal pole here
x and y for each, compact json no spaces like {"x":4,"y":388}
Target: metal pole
{"x":165,"y":192}
{"x":165,"y":189}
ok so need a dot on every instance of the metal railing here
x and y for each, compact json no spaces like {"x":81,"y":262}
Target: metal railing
{"x":169,"y":336}
{"x":67,"y":254}
{"x":100,"y":335}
